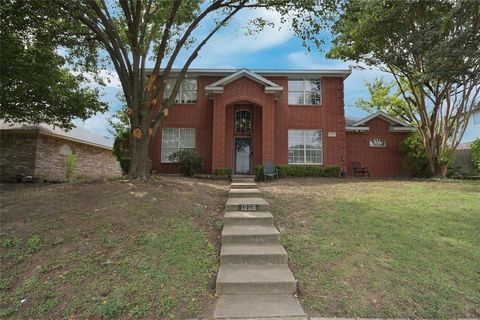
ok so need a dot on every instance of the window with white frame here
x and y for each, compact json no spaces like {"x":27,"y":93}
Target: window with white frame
{"x":175,"y":139}
{"x":304,"y":91}
{"x":476,"y":118}
{"x":187,"y":92}
{"x":305,"y":147}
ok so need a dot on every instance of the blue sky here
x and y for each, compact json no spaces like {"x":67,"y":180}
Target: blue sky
{"x":270,"y":49}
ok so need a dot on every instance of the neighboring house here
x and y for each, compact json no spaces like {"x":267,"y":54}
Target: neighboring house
{"x":40,"y":151}
{"x":241,"y":118}
{"x":472,"y":131}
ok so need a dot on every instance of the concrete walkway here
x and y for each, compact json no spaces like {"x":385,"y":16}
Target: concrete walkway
{"x":254,"y":281}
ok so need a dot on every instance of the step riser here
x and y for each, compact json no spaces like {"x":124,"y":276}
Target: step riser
{"x":244,"y":195}
{"x":244,"y":186}
{"x":254,"y":259}
{"x":256,"y":288}
{"x":266,"y":221}
{"x":270,"y":238}
{"x":243,"y":180}
{"x":236,"y":207}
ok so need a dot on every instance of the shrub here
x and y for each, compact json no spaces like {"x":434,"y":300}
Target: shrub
{"x":475,"y":150}
{"x":70,"y":164}
{"x":223,"y":172}
{"x":121,"y":150}
{"x":415,"y":159}
{"x":301,"y":171}
{"x":189,"y":161}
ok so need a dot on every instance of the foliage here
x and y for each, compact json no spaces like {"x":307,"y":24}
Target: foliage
{"x":188,"y":160}
{"x":432,"y":49}
{"x":383,"y":99}
{"x":33,"y":244}
{"x":415,"y":157}
{"x":223,"y":172}
{"x":121,"y":150}
{"x":36,"y":85}
{"x":301,"y":171}
{"x":70,"y":164}
{"x":131,"y":32}
{"x":475,"y":150}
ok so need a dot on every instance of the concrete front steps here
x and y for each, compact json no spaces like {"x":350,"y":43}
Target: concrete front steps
{"x":254,"y":281}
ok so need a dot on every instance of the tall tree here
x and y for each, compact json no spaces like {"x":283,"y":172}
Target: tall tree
{"x":433,"y":47}
{"x":35,"y":83}
{"x":133,"y":31}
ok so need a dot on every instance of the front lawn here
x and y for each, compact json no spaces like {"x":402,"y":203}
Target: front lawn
{"x":382,"y":248}
{"x":110,"y":250}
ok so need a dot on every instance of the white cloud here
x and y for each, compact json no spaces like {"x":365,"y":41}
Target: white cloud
{"x":233,"y":44}
{"x":98,"y":123}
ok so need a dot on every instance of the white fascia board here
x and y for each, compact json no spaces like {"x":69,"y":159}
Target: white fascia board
{"x":214,"y":89}
{"x":380,"y":114}
{"x":273,"y":89}
{"x":356,"y":129}
{"x":401,"y":129}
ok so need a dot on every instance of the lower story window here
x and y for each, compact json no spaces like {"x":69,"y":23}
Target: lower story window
{"x":175,"y":139}
{"x":305,"y":147}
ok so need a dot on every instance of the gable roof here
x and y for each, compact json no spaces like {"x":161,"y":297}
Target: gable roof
{"x":244,"y":73}
{"x":270,"y":86}
{"x":395,"y":124}
{"x":77,"y":134}
{"x":382,"y":115}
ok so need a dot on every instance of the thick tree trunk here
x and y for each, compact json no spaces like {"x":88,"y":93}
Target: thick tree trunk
{"x":140,"y":163}
{"x":441,"y":171}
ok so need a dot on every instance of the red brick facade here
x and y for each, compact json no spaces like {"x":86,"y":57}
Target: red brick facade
{"x":213,"y":117}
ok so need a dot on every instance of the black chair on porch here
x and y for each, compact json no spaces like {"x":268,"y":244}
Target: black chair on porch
{"x":359,"y":170}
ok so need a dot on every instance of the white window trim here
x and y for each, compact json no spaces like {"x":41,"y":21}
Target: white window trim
{"x":305,"y":92}
{"x":251,"y":121}
{"x":305,"y":149}
{"x":180,"y":91}
{"x":178,"y":133}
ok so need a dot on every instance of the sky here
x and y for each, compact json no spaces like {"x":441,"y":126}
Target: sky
{"x":273,"y":48}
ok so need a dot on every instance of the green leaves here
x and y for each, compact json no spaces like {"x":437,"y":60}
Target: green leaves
{"x":36,"y":85}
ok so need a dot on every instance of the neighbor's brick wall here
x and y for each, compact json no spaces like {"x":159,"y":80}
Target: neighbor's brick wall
{"x":17,"y":154}
{"x":381,"y":162}
{"x":93,"y":162}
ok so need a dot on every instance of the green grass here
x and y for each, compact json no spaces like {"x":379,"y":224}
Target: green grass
{"x":382,"y":248}
{"x":141,"y":255}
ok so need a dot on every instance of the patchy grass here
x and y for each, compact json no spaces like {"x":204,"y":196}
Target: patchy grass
{"x":110,"y":250}
{"x":386,"y":249}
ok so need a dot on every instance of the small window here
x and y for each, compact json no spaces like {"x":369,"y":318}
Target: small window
{"x":175,"y":139}
{"x":243,"y":121}
{"x":476,"y":118}
{"x":305,"y":147}
{"x":187,"y":92}
{"x":304,"y":92}
{"x":66,"y":150}
{"x":378,"y":143}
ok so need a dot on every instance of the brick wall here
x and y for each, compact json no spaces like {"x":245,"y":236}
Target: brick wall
{"x":92,"y":163}
{"x":271,"y":121}
{"x":381,"y":162}
{"x":17,"y":154}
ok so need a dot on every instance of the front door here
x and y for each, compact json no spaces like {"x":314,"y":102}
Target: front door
{"x":243,"y":152}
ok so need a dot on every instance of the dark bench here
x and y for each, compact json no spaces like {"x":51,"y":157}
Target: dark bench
{"x":359,"y":170}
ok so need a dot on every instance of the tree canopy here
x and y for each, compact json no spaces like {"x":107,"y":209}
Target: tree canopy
{"x":37,"y":83}
{"x":432,"y":49}
{"x":131,"y":32}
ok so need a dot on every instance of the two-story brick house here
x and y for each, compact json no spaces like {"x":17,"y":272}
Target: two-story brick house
{"x":240,"y":118}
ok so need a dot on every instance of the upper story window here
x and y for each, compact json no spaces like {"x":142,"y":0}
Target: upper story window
{"x":187,"y":92}
{"x":243,"y":121}
{"x":304,"y":91}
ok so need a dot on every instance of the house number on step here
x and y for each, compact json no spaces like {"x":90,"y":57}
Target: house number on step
{"x":248,"y":207}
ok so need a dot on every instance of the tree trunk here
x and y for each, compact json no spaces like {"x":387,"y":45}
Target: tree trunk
{"x":140,"y":161}
{"x":441,"y":171}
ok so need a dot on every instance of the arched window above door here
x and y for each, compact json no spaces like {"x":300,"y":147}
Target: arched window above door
{"x":243,"y":121}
